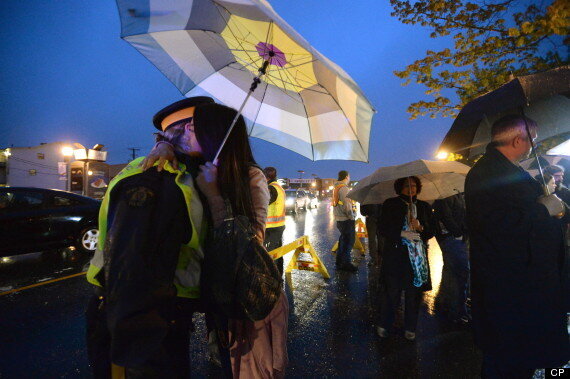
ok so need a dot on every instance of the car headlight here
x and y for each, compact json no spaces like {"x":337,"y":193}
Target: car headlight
{"x":289,"y":201}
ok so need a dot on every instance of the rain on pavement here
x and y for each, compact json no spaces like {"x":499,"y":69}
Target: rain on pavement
{"x":331,"y":322}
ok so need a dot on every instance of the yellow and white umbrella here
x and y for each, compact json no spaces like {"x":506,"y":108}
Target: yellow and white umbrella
{"x":305,"y":103}
{"x":440,"y":179}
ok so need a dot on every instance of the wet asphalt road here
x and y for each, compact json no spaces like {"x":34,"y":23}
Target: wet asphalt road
{"x":331,"y":322}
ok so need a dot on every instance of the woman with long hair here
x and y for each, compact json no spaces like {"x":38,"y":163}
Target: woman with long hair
{"x":260,"y":348}
{"x":406,"y":225}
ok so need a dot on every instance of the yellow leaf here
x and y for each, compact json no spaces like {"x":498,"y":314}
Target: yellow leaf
{"x":526,"y":28}
{"x":514,"y":32}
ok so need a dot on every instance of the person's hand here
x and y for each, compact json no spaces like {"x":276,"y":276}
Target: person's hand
{"x":207,"y":180}
{"x":409,"y":235}
{"x":553,"y":204}
{"x":161,"y":152}
{"x":415,"y":224}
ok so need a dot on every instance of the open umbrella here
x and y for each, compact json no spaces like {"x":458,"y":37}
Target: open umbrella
{"x":440,"y":179}
{"x":562,"y":149}
{"x":222,"y":48}
{"x":544,"y":97}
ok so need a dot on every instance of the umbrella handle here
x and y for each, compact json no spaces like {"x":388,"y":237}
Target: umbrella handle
{"x":256,"y":81}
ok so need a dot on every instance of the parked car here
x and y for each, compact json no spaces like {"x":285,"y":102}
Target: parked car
{"x":37,"y":219}
{"x":314,"y":200}
{"x":296,"y":199}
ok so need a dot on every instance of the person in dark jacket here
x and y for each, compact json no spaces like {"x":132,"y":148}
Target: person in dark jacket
{"x":406,"y":224}
{"x":372,"y":214}
{"x":451,"y":235}
{"x":146,"y":269}
{"x":517,"y":259}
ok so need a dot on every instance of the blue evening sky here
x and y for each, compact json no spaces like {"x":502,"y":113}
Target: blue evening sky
{"x":67,"y":76}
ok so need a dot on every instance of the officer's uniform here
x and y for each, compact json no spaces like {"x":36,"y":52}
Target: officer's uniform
{"x":147,"y":270}
{"x":275,"y":224}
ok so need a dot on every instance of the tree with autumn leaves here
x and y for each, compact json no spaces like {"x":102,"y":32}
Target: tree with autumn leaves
{"x":493,"y":41}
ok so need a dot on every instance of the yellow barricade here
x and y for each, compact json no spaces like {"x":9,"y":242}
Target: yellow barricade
{"x":361,"y":231}
{"x":301,"y":245}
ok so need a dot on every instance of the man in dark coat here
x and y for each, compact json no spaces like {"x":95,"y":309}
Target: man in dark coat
{"x":372,"y":214}
{"x":517,"y":258}
{"x":451,"y":233}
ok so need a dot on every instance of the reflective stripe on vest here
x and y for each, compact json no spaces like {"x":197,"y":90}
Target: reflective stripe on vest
{"x":335,"y":198}
{"x":276,"y":210}
{"x":187,"y":276}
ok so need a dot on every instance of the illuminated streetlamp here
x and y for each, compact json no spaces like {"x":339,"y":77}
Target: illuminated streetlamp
{"x":442,"y":155}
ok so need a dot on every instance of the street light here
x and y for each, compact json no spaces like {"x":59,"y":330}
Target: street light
{"x":442,"y":155}
{"x":67,"y":152}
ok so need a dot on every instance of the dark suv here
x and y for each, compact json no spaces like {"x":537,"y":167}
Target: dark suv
{"x":36,"y":219}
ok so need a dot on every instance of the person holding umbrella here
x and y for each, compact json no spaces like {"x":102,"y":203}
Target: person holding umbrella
{"x":406,"y":224}
{"x":517,"y":255}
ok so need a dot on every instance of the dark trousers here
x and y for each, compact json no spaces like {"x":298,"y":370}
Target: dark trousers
{"x":389,"y":301}
{"x":456,"y":270}
{"x":172,"y":360}
{"x":371,"y":228}
{"x":345,"y":242}
{"x":493,"y":369}
{"x":273,"y":240}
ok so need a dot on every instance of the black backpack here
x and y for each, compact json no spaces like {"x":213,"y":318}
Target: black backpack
{"x":239,"y":278}
{"x":147,"y":223}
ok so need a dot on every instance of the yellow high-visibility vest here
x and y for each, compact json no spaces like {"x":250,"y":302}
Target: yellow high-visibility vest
{"x":335,"y":198}
{"x":188,"y":269}
{"x":276,"y":210}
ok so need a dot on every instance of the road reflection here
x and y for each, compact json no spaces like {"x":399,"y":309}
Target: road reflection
{"x":25,"y":269}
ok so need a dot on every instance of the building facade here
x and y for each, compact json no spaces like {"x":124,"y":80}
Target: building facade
{"x":45,"y":166}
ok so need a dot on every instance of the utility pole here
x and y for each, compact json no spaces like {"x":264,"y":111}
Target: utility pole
{"x":134,"y":152}
{"x":301,"y":172}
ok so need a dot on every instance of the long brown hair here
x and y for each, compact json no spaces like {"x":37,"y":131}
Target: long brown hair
{"x":211,"y":122}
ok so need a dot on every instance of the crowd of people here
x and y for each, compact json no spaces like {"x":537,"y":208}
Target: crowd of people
{"x":503,"y":245}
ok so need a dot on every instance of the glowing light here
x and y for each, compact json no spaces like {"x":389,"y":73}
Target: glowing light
{"x":313,"y":184}
{"x":442,"y":155}
{"x":331,"y":188}
{"x":89,"y":172}
{"x":67,"y":151}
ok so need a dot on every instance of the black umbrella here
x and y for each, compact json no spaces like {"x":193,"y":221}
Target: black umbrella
{"x":544,"y":97}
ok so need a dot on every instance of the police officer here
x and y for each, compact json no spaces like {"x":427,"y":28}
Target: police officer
{"x":146,"y":269}
{"x":275,"y":224}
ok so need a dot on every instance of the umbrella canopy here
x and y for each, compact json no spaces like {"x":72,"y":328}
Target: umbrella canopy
{"x":440,"y":179}
{"x":531,"y":166}
{"x":544,"y":97}
{"x":562,"y":149}
{"x":306,"y":103}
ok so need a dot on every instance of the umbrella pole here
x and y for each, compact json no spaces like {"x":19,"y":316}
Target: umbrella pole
{"x":256,"y":81}
{"x":533,"y":152}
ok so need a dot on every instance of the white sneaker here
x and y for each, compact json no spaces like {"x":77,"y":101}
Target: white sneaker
{"x":383,"y":333}
{"x":410,"y":336}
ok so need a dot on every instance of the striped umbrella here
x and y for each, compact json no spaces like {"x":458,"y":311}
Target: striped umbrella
{"x":305,"y":102}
